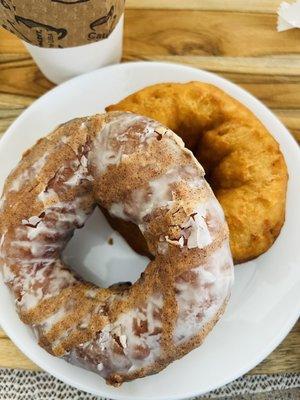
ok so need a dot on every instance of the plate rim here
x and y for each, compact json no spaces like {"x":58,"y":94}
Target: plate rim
{"x":294,"y":316}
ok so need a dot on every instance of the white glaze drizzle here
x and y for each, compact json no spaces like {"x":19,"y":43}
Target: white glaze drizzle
{"x":158,"y":194}
{"x":48,"y":323}
{"x":40,"y":267}
{"x":110,"y":146}
{"x":144,"y":201}
{"x":28,"y":174}
{"x":80,"y":174}
{"x":124,"y":330}
{"x":2,"y":202}
{"x":199,"y":302}
{"x":200,"y":228}
{"x":48,"y":197}
{"x":8,"y":275}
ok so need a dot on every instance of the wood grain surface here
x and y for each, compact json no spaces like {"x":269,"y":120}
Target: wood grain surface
{"x":236,"y":39}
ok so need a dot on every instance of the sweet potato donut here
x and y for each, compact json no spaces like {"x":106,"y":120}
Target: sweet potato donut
{"x":141,"y":172}
{"x":242,"y":161}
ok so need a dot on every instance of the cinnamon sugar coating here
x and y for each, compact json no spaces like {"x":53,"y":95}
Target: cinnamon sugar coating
{"x":138,"y":171}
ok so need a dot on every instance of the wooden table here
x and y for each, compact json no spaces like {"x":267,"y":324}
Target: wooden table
{"x":236,"y":39}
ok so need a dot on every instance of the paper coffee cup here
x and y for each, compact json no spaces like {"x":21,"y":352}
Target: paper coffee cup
{"x":59,"y":65}
{"x":67,"y":37}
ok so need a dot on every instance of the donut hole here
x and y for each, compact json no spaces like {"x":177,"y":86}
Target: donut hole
{"x":96,"y":260}
{"x":131,"y":232}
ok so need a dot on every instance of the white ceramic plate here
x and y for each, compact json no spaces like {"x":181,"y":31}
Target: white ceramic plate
{"x":266,"y":296}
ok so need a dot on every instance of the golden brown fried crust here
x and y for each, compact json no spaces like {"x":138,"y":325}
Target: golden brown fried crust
{"x":243,"y":162}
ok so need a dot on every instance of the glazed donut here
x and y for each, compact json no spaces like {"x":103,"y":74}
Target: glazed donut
{"x":141,"y":172}
{"x":242,"y":161}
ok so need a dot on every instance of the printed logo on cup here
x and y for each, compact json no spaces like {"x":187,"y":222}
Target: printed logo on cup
{"x":60,"y":26}
{"x":96,"y":26}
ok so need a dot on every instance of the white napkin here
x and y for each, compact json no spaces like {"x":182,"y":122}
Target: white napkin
{"x":288,"y":16}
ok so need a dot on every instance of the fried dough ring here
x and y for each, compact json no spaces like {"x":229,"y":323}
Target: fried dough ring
{"x":139,"y":171}
{"x":243,"y":162}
